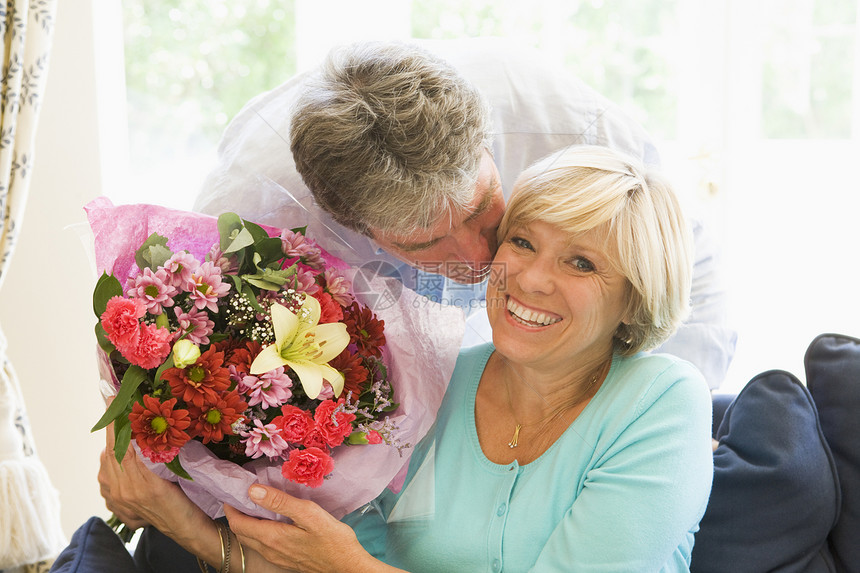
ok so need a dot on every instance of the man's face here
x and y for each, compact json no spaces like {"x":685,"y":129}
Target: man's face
{"x":460,"y":246}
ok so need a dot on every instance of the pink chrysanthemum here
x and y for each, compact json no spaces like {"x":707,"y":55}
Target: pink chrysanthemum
{"x":264,"y":440}
{"x":306,"y":282}
{"x":179,"y":267}
{"x":270,"y":390}
{"x":227,"y":264}
{"x":206,"y":286}
{"x":121,"y":320}
{"x":293,"y":244}
{"x":312,"y":257}
{"x":154,"y":289}
{"x":152,"y":348}
{"x":338,"y":286}
{"x":196,"y":323}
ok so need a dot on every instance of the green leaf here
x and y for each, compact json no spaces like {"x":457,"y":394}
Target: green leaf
{"x":122,"y":435}
{"x":234,"y":235}
{"x":133,"y":378}
{"x":227,"y":224}
{"x":270,"y":249}
{"x":176,"y":467}
{"x":257,"y":232}
{"x":269,"y":279}
{"x":237,"y":283}
{"x":152,"y":250}
{"x":102,"y":339}
{"x":107,"y":287}
{"x":251,"y":297}
{"x":157,"y":255}
{"x":165,"y":365}
{"x":301,"y":230}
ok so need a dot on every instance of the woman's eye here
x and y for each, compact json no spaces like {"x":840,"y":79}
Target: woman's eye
{"x":582,"y":265}
{"x":521,"y":243}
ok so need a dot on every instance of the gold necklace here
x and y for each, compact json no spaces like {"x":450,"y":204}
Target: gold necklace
{"x":514,"y":441}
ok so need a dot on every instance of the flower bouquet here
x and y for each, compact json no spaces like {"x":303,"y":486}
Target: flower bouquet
{"x":240,"y":353}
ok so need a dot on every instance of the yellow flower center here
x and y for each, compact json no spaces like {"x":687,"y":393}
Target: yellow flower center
{"x":159,"y":424}
{"x":213,"y":416}
{"x":195,"y":375}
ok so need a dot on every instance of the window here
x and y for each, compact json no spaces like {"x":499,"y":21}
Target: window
{"x":756,"y":105}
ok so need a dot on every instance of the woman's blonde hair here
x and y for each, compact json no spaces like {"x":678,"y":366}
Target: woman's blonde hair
{"x":647,"y":238}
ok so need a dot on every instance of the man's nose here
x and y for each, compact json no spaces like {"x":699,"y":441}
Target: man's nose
{"x":473,"y":247}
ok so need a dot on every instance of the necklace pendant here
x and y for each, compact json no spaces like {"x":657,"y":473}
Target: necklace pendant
{"x":513,"y":443}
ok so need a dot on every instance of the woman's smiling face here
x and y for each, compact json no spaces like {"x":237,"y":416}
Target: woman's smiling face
{"x":560,"y":301}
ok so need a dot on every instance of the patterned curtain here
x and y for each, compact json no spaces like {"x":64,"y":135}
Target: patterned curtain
{"x":30,"y":533}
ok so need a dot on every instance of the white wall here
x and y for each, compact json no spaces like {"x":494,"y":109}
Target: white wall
{"x":45,"y":305}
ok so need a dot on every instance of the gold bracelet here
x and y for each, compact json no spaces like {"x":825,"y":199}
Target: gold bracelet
{"x":241,"y":553}
{"x":225,"y":551}
{"x":224,"y":532}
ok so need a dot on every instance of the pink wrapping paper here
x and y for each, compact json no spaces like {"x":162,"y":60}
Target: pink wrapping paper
{"x":422,"y":343}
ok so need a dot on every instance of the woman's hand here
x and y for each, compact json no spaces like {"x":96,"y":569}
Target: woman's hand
{"x":315,"y":541}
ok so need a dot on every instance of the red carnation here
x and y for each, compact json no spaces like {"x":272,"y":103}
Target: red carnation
{"x":308,"y":467}
{"x":295,"y":424}
{"x":314,"y":439}
{"x":200,"y":382}
{"x":333,"y":424}
{"x":153,"y":346}
{"x":365,"y":330}
{"x":330,"y":310}
{"x":121,"y":320}
{"x":213,"y":420}
{"x":157,"y":426}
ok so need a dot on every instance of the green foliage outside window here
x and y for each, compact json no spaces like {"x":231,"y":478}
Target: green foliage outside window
{"x":192,"y":64}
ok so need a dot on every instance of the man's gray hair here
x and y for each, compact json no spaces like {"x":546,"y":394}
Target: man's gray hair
{"x":389,"y":137}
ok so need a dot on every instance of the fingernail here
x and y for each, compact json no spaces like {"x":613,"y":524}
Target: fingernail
{"x":257,"y":492}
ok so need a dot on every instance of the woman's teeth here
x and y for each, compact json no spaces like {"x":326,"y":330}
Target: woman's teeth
{"x":528,"y":316}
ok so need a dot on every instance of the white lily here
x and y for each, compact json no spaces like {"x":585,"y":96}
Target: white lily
{"x":305,"y":346}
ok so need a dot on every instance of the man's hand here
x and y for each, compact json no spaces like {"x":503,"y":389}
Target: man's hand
{"x":138,"y":497}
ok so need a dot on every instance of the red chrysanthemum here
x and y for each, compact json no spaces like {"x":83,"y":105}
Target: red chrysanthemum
{"x":308,"y":466}
{"x":334,"y":425}
{"x":365,"y":330}
{"x":330,"y":310}
{"x":212,"y":421}
{"x":200,"y":382}
{"x":295,"y":424}
{"x":156,"y":426}
{"x":355,"y":375}
{"x":239,"y":352}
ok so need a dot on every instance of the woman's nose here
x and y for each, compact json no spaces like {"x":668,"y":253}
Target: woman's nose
{"x":534,"y":276}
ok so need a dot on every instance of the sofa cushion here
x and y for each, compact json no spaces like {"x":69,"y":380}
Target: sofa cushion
{"x":94,"y":548}
{"x":833,"y":377}
{"x":775,"y":494}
